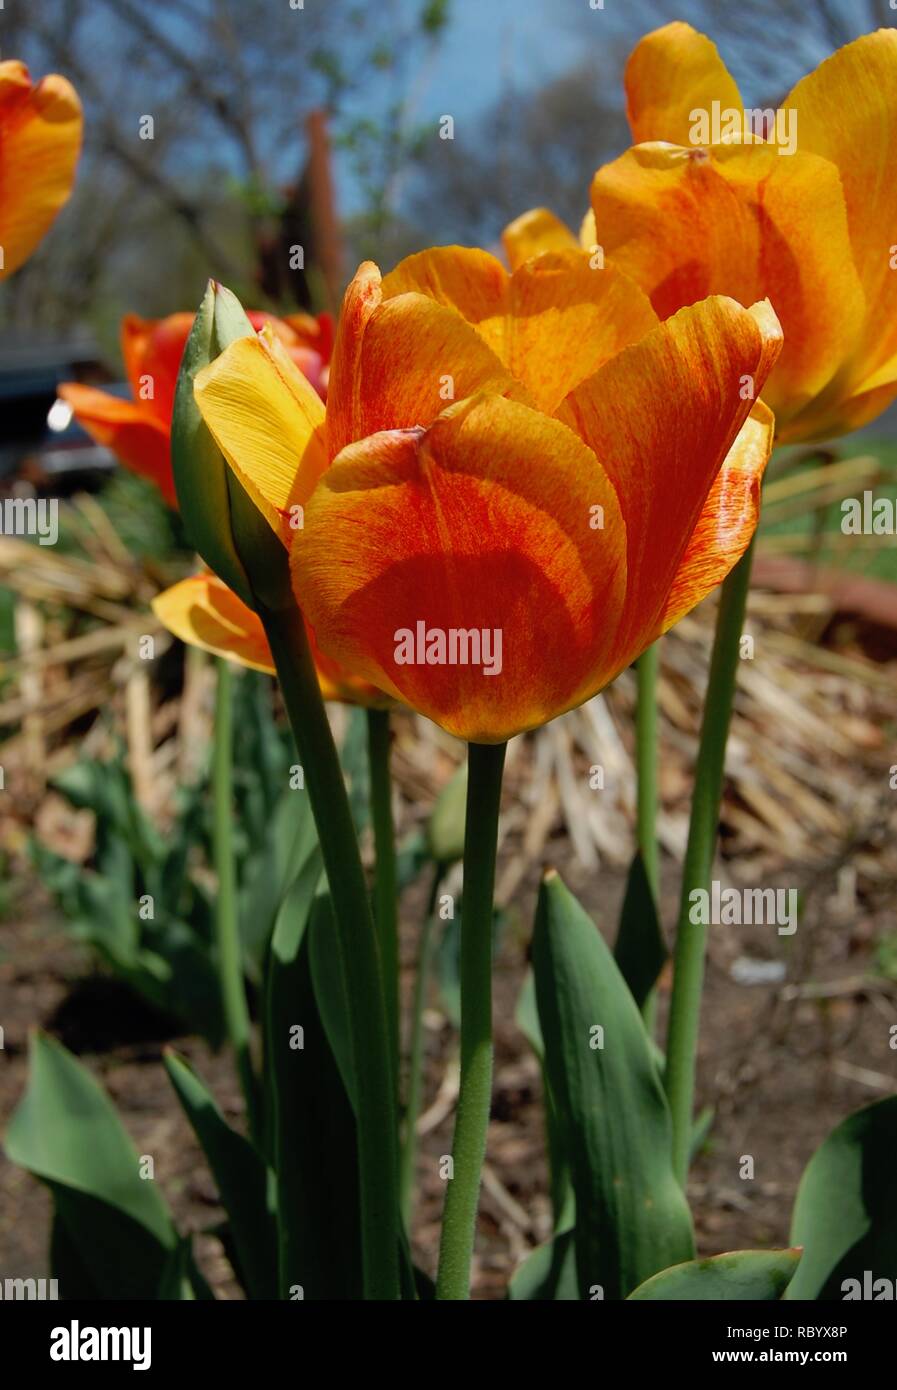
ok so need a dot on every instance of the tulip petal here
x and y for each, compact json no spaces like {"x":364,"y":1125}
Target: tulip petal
{"x":661,"y":418}
{"x":727,"y":521}
{"x":836,"y":413}
{"x":534,"y":232}
{"x":552,"y":323}
{"x":417,"y":356}
{"x":483,"y":522}
{"x":203,"y":612}
{"x":744,"y":221}
{"x":40,"y":140}
{"x":359,"y":302}
{"x":268,"y":422}
{"x":139,"y":441}
{"x":462,"y":278}
{"x":152,"y":350}
{"x":671,"y":73}
{"x":847,"y":113}
{"x":566,"y":319}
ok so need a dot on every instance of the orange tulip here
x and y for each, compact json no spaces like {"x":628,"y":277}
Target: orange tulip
{"x":137,"y":431}
{"x":497,"y":561}
{"x":807,"y":218}
{"x":40,"y":140}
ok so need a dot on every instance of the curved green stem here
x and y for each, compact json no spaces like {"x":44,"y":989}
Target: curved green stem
{"x":377,"y":1141}
{"x":691,"y":937}
{"x":486,"y":762}
{"x":646,"y":772}
{"x":416,"y":1053}
{"x":230,"y":959}
{"x":385,"y":880}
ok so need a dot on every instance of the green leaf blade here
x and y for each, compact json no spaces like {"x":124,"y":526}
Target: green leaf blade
{"x":845,"y":1212}
{"x":631,"y":1215}
{"x":742,"y":1275}
{"x":241,"y":1176}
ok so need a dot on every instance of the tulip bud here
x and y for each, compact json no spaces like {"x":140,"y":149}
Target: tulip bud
{"x":445,"y":832}
{"x":221,"y":520}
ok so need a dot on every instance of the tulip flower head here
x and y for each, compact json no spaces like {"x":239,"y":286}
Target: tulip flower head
{"x":40,"y":140}
{"x":518,"y":483}
{"x":797,"y":205}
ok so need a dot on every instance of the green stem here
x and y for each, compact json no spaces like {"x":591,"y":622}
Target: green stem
{"x":486,"y":762}
{"x":646,"y":771}
{"x":385,"y":881}
{"x":688,"y":968}
{"x":377,"y":1142}
{"x":230,"y":959}
{"x":416,"y":1053}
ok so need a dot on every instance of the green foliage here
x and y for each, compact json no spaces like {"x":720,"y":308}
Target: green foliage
{"x":138,"y":905}
{"x":845,"y":1213}
{"x":242,"y":1178}
{"x":313,"y":1138}
{"x":562,"y":1201}
{"x":221,"y":522}
{"x":640,"y":950}
{"x":548,"y":1274}
{"x":169,"y":956}
{"x":747,"y":1275}
{"x":631,"y":1215}
{"x":113,"y":1235}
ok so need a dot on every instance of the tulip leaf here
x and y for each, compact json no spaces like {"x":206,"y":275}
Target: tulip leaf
{"x":562,"y":1202}
{"x":631,"y":1215}
{"x":845,"y":1212}
{"x":640,"y":950}
{"x":291,"y":841}
{"x":745,"y":1275}
{"x":548,"y":1274}
{"x":113,"y":1233}
{"x":241,"y":1176}
{"x":313,"y":1125}
{"x":329,"y":984}
{"x":200,"y":470}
